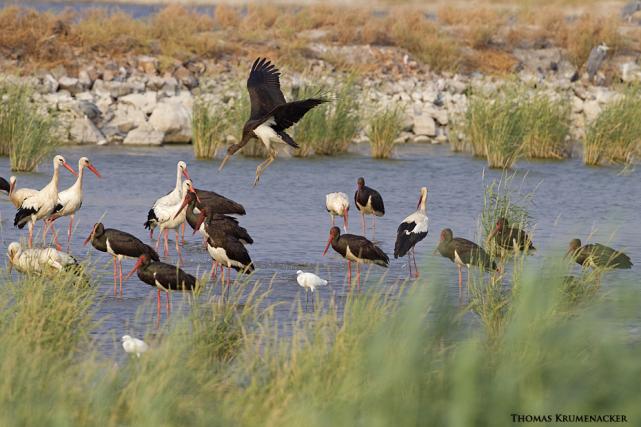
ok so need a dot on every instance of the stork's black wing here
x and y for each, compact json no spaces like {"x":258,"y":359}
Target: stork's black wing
{"x":127,"y":244}
{"x":4,"y":185}
{"x":289,"y":113}
{"x":263,"y":86}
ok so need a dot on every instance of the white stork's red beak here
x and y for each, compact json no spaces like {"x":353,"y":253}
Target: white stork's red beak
{"x":94,"y":170}
{"x":186,"y":174}
{"x":69,"y":168}
{"x":345,"y":217}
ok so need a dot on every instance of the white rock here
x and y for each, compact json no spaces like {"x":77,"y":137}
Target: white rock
{"x":47,"y":84}
{"x":173,"y":119}
{"x":591,"y":109}
{"x":144,"y":135}
{"x":127,"y":118}
{"x":83,"y":131}
{"x":71,"y":84}
{"x":424,"y":125}
{"x":421,"y":139}
{"x":145,"y":102}
{"x":577,"y":104}
{"x":439,"y":115}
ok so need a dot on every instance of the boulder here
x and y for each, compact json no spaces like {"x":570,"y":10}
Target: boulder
{"x":174,"y":120}
{"x":144,"y":135}
{"x":147,"y":64}
{"x":126,"y":118}
{"x":83,"y":131}
{"x":145,"y":102}
{"x":70,"y":84}
{"x":424,"y":125}
{"x":47,"y":84}
{"x":115,"y":89}
{"x":185,"y":77}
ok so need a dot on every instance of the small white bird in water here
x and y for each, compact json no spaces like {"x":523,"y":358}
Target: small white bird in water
{"x":309,"y":281}
{"x":134,"y":345}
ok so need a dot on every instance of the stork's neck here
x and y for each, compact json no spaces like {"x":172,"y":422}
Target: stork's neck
{"x":53,"y":184}
{"x":423,"y":203}
{"x":178,"y":179}
{"x":78,"y":183}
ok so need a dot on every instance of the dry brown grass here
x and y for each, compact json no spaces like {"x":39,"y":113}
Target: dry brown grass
{"x":588,"y":31}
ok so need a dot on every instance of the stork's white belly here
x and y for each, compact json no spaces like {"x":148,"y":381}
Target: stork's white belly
{"x":458,"y":261}
{"x":220,"y":255}
{"x":367,"y":209}
{"x":267,"y":134}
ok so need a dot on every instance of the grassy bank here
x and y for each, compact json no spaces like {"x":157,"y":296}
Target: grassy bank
{"x":444,"y":37}
{"x":402,"y":359}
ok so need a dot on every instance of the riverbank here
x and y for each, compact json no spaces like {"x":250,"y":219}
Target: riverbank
{"x":111,"y":79}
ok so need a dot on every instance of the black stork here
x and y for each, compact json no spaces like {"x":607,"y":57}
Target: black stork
{"x":355,"y":249}
{"x":463,"y":253}
{"x":596,"y":255}
{"x":119,"y":245}
{"x":368,"y":202}
{"x":509,"y":237}
{"x":412,"y":230}
{"x":229,"y":252}
{"x":218,"y":204}
{"x":162,"y":276}
{"x":270,"y":113}
{"x":5,"y":186}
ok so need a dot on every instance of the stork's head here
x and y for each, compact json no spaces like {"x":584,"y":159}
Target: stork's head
{"x":360,"y":182}
{"x":60,"y":161}
{"x":125,"y":338}
{"x":447,"y":235}
{"x":13,"y":249}
{"x":84,"y":162}
{"x":97,"y":230}
{"x":574,"y":245}
{"x":182,"y":168}
{"x":12,"y":184}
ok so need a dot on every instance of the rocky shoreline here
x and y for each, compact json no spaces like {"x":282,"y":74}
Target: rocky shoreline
{"x":136,"y":105}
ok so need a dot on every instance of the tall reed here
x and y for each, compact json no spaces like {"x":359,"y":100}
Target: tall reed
{"x":495,"y":126}
{"x":547,"y":127}
{"x":25,"y":133}
{"x":329,"y":128}
{"x":615,"y":135}
{"x":384,"y":127}
{"x":210,"y":125}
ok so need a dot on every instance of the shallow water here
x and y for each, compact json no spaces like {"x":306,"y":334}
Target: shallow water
{"x":135,"y":10}
{"x":287,"y":218}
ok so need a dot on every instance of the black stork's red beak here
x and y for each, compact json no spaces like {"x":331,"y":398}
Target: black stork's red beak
{"x":496,"y":229}
{"x":329,"y":242}
{"x":136,"y":267}
{"x":90,"y":236}
{"x":200,"y":220}
{"x":186,"y":201}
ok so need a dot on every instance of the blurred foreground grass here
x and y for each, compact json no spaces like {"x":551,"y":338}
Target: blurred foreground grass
{"x":407,"y":356}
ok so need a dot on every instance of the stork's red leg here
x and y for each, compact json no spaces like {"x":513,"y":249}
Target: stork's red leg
{"x":182,"y":232}
{"x":349,"y":275}
{"x":120,"y":269}
{"x":358,"y":276}
{"x":166,"y":233}
{"x":460,"y":282}
{"x":158,"y":305}
{"x":168,"y":303}
{"x":180,"y":256}
{"x":69,"y":231}
{"x":30,"y":234}
{"x":415,"y":266}
{"x":115,"y":277}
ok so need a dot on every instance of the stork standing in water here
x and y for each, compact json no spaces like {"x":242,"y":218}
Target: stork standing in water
{"x":164,"y":277}
{"x":368,"y":202}
{"x":337,"y":204}
{"x":597,"y":256}
{"x":170,"y":217}
{"x":70,"y":200}
{"x":173,"y":197}
{"x":18,"y":196}
{"x":270,"y":113}
{"x":38,"y":260}
{"x":355,"y":249}
{"x":119,"y":245}
{"x":229,"y":252}
{"x":41,"y":205}
{"x":463,"y":253}
{"x":218,"y":204}
{"x":412,"y":230}
{"x":509,"y":237}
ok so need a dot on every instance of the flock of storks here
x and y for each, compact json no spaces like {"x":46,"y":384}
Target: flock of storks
{"x":210,"y":214}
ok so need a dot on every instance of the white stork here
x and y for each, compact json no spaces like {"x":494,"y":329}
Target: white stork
{"x":170,"y":217}
{"x":41,"y":204}
{"x":38,"y":260}
{"x":70,"y":200}
{"x":412,"y":230}
{"x":170,"y":199}
{"x":337,"y":204}
{"x":18,"y":196}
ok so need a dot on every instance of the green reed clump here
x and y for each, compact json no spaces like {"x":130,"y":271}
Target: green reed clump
{"x":210,"y":124}
{"x":384,"y":127}
{"x":547,"y":127}
{"x":496,"y":125}
{"x":329,"y":128}
{"x":615,"y":135}
{"x":24,"y":132}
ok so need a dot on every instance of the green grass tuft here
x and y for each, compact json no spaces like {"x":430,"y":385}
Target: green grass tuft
{"x":547,"y":127}
{"x":25,"y":133}
{"x":384,"y":128}
{"x":210,"y":125}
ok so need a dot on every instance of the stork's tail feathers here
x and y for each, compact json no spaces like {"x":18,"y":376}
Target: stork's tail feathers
{"x":22,"y":217}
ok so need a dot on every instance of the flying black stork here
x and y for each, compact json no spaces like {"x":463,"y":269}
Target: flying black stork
{"x":270,"y":113}
{"x":119,"y":245}
{"x":510,"y":237}
{"x":596,"y":255}
{"x":412,"y":230}
{"x":229,"y":252}
{"x":368,"y":202}
{"x":463,"y":253}
{"x":162,"y":276}
{"x":355,"y":249}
